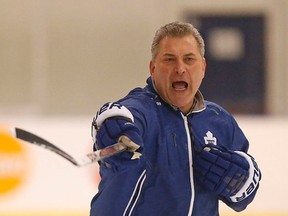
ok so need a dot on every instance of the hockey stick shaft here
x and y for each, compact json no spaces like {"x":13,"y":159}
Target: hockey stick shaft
{"x":87,"y":159}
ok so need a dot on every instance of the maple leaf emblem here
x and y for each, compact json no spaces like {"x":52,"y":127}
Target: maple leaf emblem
{"x":210,"y":139}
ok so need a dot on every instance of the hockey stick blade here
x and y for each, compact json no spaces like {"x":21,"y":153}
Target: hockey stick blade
{"x":87,"y":159}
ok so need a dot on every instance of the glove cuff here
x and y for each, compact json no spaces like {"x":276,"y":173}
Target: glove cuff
{"x":109,"y":110}
{"x":252,"y":181}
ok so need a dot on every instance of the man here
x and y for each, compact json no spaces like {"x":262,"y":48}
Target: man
{"x":192,"y":152}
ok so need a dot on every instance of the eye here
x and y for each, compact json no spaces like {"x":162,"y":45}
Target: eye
{"x":188,"y":59}
{"x":169,"y":59}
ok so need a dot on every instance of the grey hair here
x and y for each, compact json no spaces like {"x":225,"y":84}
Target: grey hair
{"x":176,"y":29}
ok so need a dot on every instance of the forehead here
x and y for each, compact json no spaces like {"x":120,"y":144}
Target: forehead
{"x":178,"y":44}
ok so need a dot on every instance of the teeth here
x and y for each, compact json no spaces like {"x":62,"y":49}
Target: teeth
{"x":180,"y":89}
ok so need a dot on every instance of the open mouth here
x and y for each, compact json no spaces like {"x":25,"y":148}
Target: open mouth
{"x":180,"y":85}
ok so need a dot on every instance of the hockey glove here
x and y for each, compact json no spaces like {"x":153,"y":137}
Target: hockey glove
{"x":111,"y":123}
{"x":232,"y":175}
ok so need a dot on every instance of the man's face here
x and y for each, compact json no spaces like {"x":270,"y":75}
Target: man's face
{"x":178,"y":70}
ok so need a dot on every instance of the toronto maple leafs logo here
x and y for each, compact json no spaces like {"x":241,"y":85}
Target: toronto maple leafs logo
{"x":210,"y":139}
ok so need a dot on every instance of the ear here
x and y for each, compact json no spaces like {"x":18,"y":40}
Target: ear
{"x":204,"y":66}
{"x":152,"y":67}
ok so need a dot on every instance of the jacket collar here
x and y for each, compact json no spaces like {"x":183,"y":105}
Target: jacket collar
{"x":198,"y":104}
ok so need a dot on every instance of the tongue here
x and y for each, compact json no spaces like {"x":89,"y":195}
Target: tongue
{"x":179,"y":85}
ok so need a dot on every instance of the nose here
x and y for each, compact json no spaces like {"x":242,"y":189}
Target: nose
{"x":180,"y":67}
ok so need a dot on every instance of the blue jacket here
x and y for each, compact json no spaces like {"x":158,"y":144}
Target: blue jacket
{"x":161,"y":182}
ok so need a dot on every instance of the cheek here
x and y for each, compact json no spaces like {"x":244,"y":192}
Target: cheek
{"x":199,"y":78}
{"x":160,"y":82}
{"x":160,"y":75}
{"x":196,"y":79}
{"x":199,"y":73}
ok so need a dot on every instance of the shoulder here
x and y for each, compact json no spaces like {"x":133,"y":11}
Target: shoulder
{"x":216,"y":108}
{"x":138,"y":97}
{"x":216,"y":113}
{"x":223,"y":125}
{"x":141,"y":102}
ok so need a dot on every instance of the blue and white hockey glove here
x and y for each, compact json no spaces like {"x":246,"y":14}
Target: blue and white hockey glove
{"x":233,"y":175}
{"x":110,"y":123}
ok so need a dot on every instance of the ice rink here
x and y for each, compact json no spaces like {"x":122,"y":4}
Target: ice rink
{"x":55,"y":186}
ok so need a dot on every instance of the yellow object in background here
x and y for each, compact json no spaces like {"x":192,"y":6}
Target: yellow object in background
{"x":13,"y":162}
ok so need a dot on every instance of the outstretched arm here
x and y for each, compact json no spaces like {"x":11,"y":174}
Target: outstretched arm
{"x":111,"y":123}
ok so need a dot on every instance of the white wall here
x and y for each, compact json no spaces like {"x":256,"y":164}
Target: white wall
{"x":69,"y":56}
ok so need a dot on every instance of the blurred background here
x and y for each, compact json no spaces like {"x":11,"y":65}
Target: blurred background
{"x":61,"y":60}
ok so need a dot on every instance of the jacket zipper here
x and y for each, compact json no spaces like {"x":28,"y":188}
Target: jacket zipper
{"x":190,"y":164}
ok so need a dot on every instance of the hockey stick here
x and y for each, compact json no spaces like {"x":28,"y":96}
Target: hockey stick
{"x":84,"y":160}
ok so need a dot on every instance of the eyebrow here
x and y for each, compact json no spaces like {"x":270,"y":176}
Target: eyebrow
{"x":171,"y":55}
{"x":168,"y":54}
{"x":190,"y":54}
